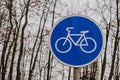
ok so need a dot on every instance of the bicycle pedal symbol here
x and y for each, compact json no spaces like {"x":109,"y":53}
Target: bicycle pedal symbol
{"x":82,"y":42}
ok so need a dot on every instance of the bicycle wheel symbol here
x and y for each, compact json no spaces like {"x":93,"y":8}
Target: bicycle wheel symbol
{"x":61,"y":47}
{"x":90,"y":47}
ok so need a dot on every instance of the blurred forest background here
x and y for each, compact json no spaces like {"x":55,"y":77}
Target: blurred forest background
{"x":25,"y":27}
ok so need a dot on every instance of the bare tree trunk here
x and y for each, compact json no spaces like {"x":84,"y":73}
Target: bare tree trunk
{"x":22,"y":41}
{"x":117,"y":63}
{"x":14,"y":51}
{"x":116,"y":42}
{"x":93,"y":72}
{"x":45,"y":16}
{"x":106,"y":44}
{"x":85,"y":69}
{"x":36,"y":40}
{"x":69,"y":73}
{"x":49,"y":58}
{"x":104,"y":59}
{"x":63,"y":72}
{"x":8,"y":54}
{"x":49,"y":66}
{"x":7,"y":40}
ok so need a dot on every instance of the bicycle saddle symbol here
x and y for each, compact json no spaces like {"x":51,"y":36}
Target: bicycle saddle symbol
{"x":83,"y":42}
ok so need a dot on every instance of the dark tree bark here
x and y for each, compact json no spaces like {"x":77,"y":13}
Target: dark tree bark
{"x":49,"y":66}
{"x":16,"y":32}
{"x":104,"y":59}
{"x":6,"y":41}
{"x":39,"y":35}
{"x":108,"y":27}
{"x":36,"y":40}
{"x":116,"y":41}
{"x":50,"y":56}
{"x":22,"y":41}
{"x":69,"y":73}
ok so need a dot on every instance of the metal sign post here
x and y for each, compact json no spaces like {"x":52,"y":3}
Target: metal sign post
{"x":76,"y":73}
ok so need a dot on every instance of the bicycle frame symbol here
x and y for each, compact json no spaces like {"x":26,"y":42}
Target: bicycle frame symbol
{"x":82,"y":41}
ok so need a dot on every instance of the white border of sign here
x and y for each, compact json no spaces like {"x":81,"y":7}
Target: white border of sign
{"x":68,"y":17}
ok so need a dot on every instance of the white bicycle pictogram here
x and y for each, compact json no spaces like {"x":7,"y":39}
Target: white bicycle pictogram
{"x":82,"y":41}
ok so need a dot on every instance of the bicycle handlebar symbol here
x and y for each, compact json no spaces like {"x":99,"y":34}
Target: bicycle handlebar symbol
{"x":82,"y":41}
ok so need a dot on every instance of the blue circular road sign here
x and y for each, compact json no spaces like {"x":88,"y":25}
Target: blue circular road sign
{"x":76,"y":40}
